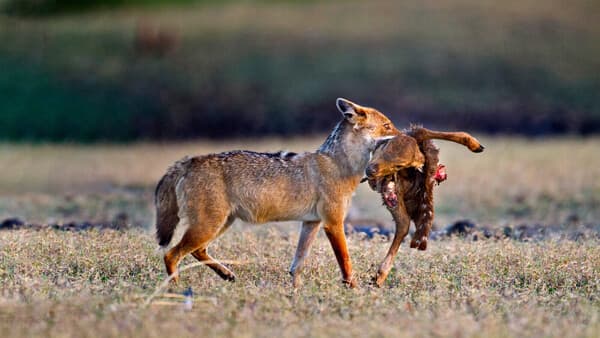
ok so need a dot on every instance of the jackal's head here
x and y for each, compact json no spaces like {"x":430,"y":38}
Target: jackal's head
{"x":367,"y":122}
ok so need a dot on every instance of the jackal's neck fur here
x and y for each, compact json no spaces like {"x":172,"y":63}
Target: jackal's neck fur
{"x":348,"y":149}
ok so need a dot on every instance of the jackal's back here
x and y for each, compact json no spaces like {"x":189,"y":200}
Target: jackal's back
{"x":256,"y":187}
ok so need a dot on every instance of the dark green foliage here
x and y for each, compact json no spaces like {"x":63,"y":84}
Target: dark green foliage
{"x":37,"y":106}
{"x":248,"y":69}
{"x":45,"y":7}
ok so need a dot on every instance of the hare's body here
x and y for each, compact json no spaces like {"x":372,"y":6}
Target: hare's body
{"x":404,"y":170}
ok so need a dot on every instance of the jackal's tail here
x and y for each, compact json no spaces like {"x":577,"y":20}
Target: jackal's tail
{"x":165,"y":200}
{"x":423,"y":134}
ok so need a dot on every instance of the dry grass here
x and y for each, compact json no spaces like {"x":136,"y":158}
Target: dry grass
{"x":95,"y":283}
{"x":544,"y":180}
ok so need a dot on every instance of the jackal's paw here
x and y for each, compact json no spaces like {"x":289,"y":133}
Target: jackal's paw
{"x":379,"y":279}
{"x":296,"y":281}
{"x":351,"y":283}
{"x":174,"y":279}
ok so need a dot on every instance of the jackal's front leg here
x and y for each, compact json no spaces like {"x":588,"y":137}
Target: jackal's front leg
{"x":335,"y":233}
{"x":307,"y":237}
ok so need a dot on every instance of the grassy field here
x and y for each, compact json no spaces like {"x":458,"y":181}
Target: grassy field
{"x":108,"y":283}
{"x":94,"y":284}
{"x":545,"y":180}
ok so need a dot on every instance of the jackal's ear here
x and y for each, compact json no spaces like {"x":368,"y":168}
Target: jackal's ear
{"x":351,"y":111}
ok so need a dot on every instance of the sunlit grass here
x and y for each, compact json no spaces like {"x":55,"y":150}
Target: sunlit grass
{"x":95,"y":284}
{"x":545,"y":180}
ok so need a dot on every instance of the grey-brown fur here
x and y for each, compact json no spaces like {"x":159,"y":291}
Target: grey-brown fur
{"x":209,"y":192}
{"x":165,"y":201}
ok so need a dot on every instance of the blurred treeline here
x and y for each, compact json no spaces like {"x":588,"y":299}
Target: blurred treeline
{"x":147,"y":69}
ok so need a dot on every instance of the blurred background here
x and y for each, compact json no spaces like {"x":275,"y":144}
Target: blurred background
{"x":99,"y":97}
{"x":124,"y":70}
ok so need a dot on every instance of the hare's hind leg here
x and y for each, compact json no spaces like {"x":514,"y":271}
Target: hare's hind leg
{"x":402,"y":224}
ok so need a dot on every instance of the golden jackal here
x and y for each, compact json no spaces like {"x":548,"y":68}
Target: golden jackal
{"x":209,"y":192}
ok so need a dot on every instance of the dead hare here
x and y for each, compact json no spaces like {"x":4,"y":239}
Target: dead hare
{"x":404,"y":170}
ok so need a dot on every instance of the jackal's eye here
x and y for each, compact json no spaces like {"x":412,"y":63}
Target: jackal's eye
{"x":387,"y":126}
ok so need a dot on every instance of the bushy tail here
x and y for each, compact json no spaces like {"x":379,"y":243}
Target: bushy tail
{"x":165,"y":200}
{"x":423,"y":134}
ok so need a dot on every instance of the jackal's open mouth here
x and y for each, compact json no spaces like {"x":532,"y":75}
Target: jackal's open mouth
{"x":388,"y":190}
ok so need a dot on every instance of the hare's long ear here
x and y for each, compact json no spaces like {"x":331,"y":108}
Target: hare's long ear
{"x":351,"y":111}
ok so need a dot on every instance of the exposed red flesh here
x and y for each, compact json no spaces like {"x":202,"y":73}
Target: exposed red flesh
{"x":389,"y":194}
{"x":440,"y":174}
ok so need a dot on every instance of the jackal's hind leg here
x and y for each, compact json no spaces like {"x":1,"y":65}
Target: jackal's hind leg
{"x":197,"y":238}
{"x":221,"y":270}
{"x":176,"y":254}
